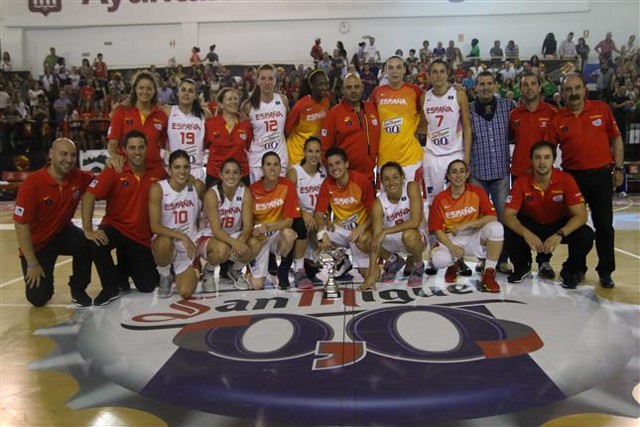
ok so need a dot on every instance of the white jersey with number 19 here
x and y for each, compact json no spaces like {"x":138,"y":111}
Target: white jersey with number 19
{"x":186,"y":132}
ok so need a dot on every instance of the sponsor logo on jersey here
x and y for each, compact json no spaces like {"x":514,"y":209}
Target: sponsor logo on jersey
{"x":467,"y":210}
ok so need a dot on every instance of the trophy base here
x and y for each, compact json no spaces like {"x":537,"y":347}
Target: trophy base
{"x":331,"y":294}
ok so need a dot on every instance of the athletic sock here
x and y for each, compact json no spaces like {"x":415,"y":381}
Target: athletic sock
{"x":490,"y":264}
{"x":164,"y":271}
{"x":298,"y":264}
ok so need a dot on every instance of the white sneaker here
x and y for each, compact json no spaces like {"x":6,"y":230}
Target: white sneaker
{"x":208,"y":280}
{"x":164,"y":288}
{"x":239,"y":281}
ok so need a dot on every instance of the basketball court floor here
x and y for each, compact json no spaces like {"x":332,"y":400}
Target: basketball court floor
{"x":444,"y":355}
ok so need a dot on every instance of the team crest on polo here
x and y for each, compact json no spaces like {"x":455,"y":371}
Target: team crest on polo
{"x":45,"y":6}
{"x":396,"y":356}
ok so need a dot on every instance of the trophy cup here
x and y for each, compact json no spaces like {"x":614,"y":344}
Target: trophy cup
{"x":327,"y":259}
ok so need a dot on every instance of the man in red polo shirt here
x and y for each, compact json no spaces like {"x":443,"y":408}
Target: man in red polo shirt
{"x":46,"y":202}
{"x":591,"y":147}
{"x":353,"y":126}
{"x":125,"y":225}
{"x":528,"y":123}
{"x":545,"y":208}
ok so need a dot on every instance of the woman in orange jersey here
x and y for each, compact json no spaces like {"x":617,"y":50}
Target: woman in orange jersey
{"x":307,"y":115}
{"x":465,"y":223}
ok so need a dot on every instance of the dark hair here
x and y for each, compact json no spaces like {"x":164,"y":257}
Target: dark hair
{"x":222,"y":92}
{"x":529,"y":74}
{"x":269,"y":154}
{"x":439,"y":61}
{"x":135,"y":133}
{"x":225,"y":163}
{"x":306,"y":88}
{"x":310,"y":140}
{"x":196,"y":108}
{"x":456,"y":161}
{"x":336,"y":151}
{"x":474,"y":42}
{"x":486,"y":73}
{"x":254,"y":97}
{"x":213,"y":46}
{"x":392,"y":165}
{"x":537,"y":64}
{"x":542,"y":144}
{"x":178,"y":154}
{"x":143,"y":75}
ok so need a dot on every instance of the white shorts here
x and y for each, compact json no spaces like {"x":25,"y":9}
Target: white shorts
{"x":340,"y":237}
{"x":199,"y":173}
{"x":181,"y":261}
{"x":393,"y":242}
{"x":435,"y":171}
{"x":469,"y":241}
{"x":260,"y":265}
{"x":203,"y":241}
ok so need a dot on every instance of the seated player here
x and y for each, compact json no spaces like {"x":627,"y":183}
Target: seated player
{"x":125,"y":225}
{"x":174,"y":210}
{"x":350,"y":196}
{"x":275,"y":208}
{"x":308,"y":176}
{"x":226,"y":234}
{"x":546,"y":208}
{"x":398,"y":225}
{"x":465,"y":223}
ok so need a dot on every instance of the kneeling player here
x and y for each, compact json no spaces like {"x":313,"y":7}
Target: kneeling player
{"x":275,"y":208}
{"x":228,"y":207}
{"x":174,"y":208}
{"x":350,"y":196}
{"x":465,"y":223}
{"x":398,"y":225}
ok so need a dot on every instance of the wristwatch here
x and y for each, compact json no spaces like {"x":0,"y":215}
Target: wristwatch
{"x":560,"y":233}
{"x":618,"y":169}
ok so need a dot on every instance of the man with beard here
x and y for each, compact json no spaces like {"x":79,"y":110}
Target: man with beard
{"x":545,"y":208}
{"x":591,"y":144}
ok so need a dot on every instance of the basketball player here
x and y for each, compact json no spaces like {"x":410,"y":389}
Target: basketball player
{"x":398,"y":225}
{"x":185,"y":127}
{"x":174,"y":210}
{"x":267,"y":112}
{"x":226,"y":232}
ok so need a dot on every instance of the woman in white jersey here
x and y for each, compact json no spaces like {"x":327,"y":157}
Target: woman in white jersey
{"x":308,"y":177}
{"x":174,"y":210}
{"x":185,"y":128}
{"x":267,"y":112}
{"x":399,"y":225}
{"x":226,"y":234}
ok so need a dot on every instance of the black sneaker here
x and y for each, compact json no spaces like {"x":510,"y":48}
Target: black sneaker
{"x":124,"y":287}
{"x":106,"y":296}
{"x":545,"y":271}
{"x":283,"y":279}
{"x":430,"y":270}
{"x":480,"y":265}
{"x":224,"y":269}
{"x":518,"y":276}
{"x":568,"y":280}
{"x":311,"y":268}
{"x":463,"y":269}
{"x":580,"y":277}
{"x":606,"y":281}
{"x":273,"y":265}
{"x":504,"y":268}
{"x":80,"y":298}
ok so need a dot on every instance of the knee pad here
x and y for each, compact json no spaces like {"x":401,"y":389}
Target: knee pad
{"x":300,"y":229}
{"x":492,"y":231}
{"x":441,"y":257}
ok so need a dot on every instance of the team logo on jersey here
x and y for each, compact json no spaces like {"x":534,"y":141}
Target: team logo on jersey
{"x":516,"y":123}
{"x":597,"y":122}
{"x":125,"y":183}
{"x":243,"y":136}
{"x":19,"y":211}
{"x":129,"y":122}
{"x":558,"y":198}
{"x":158,"y":126}
{"x":347,"y":121}
{"x":564,"y":129}
{"x":45,"y":7}
{"x":48,"y":201}
{"x":94,"y":183}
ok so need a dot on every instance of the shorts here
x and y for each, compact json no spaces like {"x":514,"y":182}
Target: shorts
{"x":340,"y":237}
{"x":393,"y":242}
{"x":260,"y":265}
{"x":435,"y":171}
{"x":203,"y":241}
{"x":470,"y":241}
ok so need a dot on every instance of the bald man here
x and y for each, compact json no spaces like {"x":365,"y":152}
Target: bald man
{"x":353,"y":125}
{"x":47,"y":200}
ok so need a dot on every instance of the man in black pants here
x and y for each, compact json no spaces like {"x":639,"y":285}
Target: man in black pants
{"x":545,"y":208}
{"x":46,"y":202}
{"x":591,"y":149}
{"x":125,"y":225}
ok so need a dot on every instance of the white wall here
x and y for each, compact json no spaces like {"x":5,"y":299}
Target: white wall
{"x":244,"y":37}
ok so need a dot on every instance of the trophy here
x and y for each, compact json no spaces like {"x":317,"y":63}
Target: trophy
{"x":328,"y":259}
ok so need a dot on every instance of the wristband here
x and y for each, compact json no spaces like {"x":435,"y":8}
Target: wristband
{"x":321,"y":234}
{"x":561,"y":233}
{"x":33,"y":264}
{"x":618,"y":169}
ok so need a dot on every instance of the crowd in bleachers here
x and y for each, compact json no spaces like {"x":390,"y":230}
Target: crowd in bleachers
{"x":77,"y":101}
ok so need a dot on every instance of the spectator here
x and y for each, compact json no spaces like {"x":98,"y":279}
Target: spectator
{"x":85,"y":70}
{"x":508,"y":72}
{"x":100,"y":71}
{"x":7,"y":65}
{"x":369,"y":80}
{"x":166,"y":96}
{"x":606,"y":48}
{"x":371,"y":51}
{"x":496,"y":51}
{"x":534,"y":65}
{"x":567,"y":49}
{"x":195,"y":56}
{"x":325,"y":63}
{"x":549,"y":46}
{"x":50,"y":60}
{"x":450,"y":52}
{"x":34,"y":93}
{"x":212,"y":56}
{"x":412,"y":62}
{"x":341,"y":49}
{"x":621,"y":104}
{"x":626,"y":51}
{"x":475,"y":49}
{"x":62,"y":107}
{"x":316,"y":51}
{"x":4,"y":98}
{"x":476,"y":68}
{"x":511,"y":50}
{"x":603,"y":77}
{"x":438,"y":52}
{"x":425,"y":52}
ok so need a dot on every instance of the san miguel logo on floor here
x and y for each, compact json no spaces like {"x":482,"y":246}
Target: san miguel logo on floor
{"x":390,"y":357}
